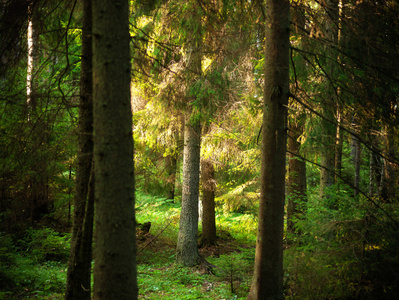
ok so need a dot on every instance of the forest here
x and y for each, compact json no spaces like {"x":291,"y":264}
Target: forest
{"x":199,"y":149}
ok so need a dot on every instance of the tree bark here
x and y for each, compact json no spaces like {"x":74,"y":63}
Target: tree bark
{"x":208,"y":203}
{"x":267,"y":281}
{"x":79,"y":266}
{"x":115,"y":252}
{"x":187,"y":249}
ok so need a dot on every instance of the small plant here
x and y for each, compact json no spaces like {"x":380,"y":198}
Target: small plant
{"x":236,"y":269}
{"x":48,"y":245}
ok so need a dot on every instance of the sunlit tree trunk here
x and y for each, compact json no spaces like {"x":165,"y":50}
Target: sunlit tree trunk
{"x":267,"y":282}
{"x":208,"y":203}
{"x":32,"y":40}
{"x":79,"y":267}
{"x":115,"y":251}
{"x":187,"y":249}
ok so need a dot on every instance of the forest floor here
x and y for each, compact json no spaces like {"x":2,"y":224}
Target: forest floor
{"x":332,"y":261}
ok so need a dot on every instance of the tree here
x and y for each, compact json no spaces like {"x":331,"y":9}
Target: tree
{"x":267,"y":282}
{"x":208,"y":203}
{"x":115,"y":252}
{"x":79,"y":267}
{"x":296,"y":188}
{"x":187,"y":250}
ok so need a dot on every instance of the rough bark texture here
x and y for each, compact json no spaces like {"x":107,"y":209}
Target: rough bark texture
{"x":187,"y":249}
{"x":267,"y":281}
{"x":115,"y":252}
{"x":208,"y":203}
{"x":79,"y":267}
{"x":296,"y":178}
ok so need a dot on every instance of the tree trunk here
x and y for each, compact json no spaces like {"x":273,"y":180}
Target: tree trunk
{"x":328,"y":144}
{"x":208,"y":203}
{"x":115,"y":252}
{"x":296,"y":178}
{"x":267,"y":281}
{"x":187,"y":249}
{"x":79,"y":266}
{"x":355,"y":153}
{"x":171,"y":163}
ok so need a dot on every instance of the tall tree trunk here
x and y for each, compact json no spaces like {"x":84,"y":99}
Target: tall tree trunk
{"x":339,"y":138}
{"x":187,"y":250}
{"x":208,"y":203}
{"x":296,"y":177}
{"x":79,"y":266}
{"x":115,"y":253}
{"x":38,"y":162}
{"x":33,"y":43}
{"x":327,"y":153}
{"x":267,"y":281}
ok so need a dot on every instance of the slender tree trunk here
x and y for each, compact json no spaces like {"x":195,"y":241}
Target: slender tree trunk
{"x":33,"y":41}
{"x":187,"y":250}
{"x":171,"y":161}
{"x":208,"y":203}
{"x":115,"y":252}
{"x":296,"y":178}
{"x":267,"y":281}
{"x":355,"y":153}
{"x":327,"y":153}
{"x":338,"y":147}
{"x":79,"y":267}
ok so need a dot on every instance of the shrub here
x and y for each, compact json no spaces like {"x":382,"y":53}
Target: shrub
{"x":48,"y":245}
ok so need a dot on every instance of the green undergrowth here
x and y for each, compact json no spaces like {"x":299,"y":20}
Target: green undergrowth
{"x":33,"y":266}
{"x":160,"y":278}
{"x":346,"y":253}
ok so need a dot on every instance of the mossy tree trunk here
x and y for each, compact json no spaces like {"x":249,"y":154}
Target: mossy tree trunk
{"x":115,"y":251}
{"x":267,"y":281}
{"x":79,"y":267}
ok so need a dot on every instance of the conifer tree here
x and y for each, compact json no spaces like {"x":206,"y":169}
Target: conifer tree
{"x":267,"y":282}
{"x":115,"y":252}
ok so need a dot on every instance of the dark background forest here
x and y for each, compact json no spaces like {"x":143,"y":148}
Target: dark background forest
{"x":198,"y":84}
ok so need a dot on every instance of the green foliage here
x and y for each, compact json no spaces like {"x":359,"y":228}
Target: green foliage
{"x":48,"y":245}
{"x":236,"y":268}
{"x":21,"y":274}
